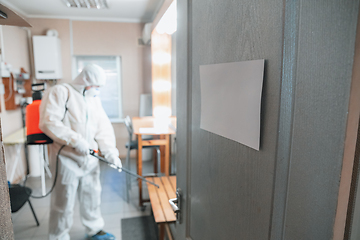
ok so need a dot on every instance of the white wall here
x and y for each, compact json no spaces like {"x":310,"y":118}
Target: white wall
{"x":105,"y":38}
{"x":15,"y":52}
{"x":85,"y":38}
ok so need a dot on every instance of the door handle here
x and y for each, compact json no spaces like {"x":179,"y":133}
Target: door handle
{"x":172,"y":202}
{"x":175,"y":204}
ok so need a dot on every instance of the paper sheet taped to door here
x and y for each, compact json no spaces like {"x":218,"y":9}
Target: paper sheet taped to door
{"x":231,"y":100}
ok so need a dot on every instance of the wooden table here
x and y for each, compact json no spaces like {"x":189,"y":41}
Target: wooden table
{"x":158,"y":127}
{"x":159,"y":198}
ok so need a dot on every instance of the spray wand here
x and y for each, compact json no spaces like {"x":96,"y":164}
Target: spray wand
{"x":93,"y":153}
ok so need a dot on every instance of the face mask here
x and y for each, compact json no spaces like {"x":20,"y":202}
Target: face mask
{"x":92,"y":92}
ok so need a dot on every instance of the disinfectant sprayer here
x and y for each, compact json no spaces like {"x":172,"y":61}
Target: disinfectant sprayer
{"x":93,"y":153}
{"x":33,"y":132}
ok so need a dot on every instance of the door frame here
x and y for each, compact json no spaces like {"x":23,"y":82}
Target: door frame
{"x":350,"y":144}
{"x":183,"y":113}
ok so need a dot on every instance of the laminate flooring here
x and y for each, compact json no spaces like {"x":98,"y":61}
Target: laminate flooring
{"x":114,"y":206}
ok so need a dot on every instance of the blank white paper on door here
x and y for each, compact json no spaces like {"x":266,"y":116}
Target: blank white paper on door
{"x":231,"y":100}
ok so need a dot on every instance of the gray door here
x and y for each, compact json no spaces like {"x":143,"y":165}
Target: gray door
{"x":229,"y":185}
{"x":288,"y":189}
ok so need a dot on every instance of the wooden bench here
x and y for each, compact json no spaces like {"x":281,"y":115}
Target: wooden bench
{"x":159,"y":199}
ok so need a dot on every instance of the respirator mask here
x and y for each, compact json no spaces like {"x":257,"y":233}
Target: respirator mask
{"x":92,"y":92}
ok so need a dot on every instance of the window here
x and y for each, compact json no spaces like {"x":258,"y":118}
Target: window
{"x":110,"y":94}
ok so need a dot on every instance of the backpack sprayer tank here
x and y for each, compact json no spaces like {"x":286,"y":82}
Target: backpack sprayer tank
{"x":33,"y":132}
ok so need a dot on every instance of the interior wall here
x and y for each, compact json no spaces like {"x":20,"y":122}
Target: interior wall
{"x":173,"y":74}
{"x":147,"y":87}
{"x":62,"y":26}
{"x":16,"y":47}
{"x":109,"y":38}
{"x":121,"y":39}
{"x":15,"y":52}
{"x":105,"y":38}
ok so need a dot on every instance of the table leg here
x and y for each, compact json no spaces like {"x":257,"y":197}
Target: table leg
{"x":168,"y":232}
{"x":17,"y":148}
{"x":161,"y":231}
{"x":46,"y":160}
{"x":155,"y":156}
{"x":162,"y":158}
{"x":163,"y":155}
{"x":139,"y":168}
{"x":42,"y":172}
{"x":167,"y":155}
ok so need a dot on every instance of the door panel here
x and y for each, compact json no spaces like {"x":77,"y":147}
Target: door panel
{"x":231,"y":184}
{"x":289,"y":189}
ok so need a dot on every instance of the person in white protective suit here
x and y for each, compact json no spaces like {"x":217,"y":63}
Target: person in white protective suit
{"x":73,"y":117}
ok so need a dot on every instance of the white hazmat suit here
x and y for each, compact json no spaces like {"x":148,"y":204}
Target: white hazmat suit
{"x":72,"y":116}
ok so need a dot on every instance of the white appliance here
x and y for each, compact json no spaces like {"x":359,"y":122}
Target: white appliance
{"x":47,"y":57}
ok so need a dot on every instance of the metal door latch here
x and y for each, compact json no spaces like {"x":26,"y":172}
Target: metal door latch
{"x":175,"y":204}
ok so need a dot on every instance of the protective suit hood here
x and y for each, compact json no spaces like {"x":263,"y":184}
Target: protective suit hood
{"x":92,"y":74}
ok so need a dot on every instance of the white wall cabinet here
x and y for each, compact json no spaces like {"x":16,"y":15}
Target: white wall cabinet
{"x":47,"y":57}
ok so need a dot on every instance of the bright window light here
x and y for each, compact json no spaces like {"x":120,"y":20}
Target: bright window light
{"x":161,"y":86}
{"x":168,"y":22}
{"x":161,"y":58}
{"x":162,"y":124}
{"x":110,"y":94}
{"x":162,"y":112}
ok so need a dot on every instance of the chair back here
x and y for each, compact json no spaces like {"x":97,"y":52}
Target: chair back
{"x":19,"y":195}
{"x":129,"y":126}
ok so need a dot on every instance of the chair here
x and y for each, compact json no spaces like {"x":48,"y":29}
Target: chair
{"x":133,"y":144}
{"x":19,"y":195}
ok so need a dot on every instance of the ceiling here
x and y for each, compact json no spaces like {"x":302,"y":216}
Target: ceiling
{"x":118,"y":11}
